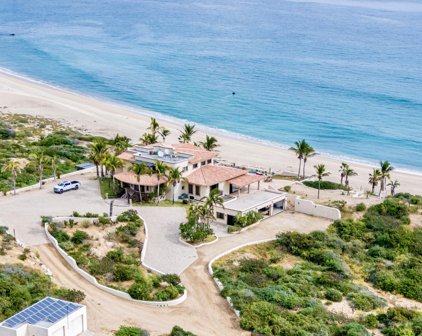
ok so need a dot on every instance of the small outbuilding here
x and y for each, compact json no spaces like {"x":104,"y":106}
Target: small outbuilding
{"x":48,"y":317}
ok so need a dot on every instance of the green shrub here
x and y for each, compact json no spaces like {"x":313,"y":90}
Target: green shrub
{"x":178,"y":331}
{"x":72,"y":295}
{"x":116,"y":255}
{"x":233,"y":229}
{"x":287,"y":188}
{"x":140,"y":290}
{"x":172,"y":279}
{"x":325,"y":185}
{"x":248,"y":219}
{"x":353,"y":329}
{"x":334,"y":295}
{"x":370,"y":321}
{"x":131,"y":331}
{"x":252,"y":265}
{"x":167,"y":293}
{"x":193,"y":232}
{"x":79,"y":237}
{"x":100,"y":266}
{"x":123,"y":272}
{"x":360,"y":207}
{"x":365,"y":301}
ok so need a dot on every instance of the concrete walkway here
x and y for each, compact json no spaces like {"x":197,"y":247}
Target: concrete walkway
{"x":165,"y":253}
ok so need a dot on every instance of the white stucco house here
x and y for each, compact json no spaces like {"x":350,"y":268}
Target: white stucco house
{"x":48,"y":317}
{"x":201,"y":174}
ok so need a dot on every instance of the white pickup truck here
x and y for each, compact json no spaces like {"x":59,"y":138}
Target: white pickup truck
{"x":65,"y":186}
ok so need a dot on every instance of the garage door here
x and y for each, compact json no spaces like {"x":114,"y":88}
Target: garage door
{"x":76,"y":326}
{"x":59,"y":332}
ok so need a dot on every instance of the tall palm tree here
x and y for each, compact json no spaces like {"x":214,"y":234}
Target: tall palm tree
{"x":154,"y":126}
{"x":386,"y":168}
{"x":112,"y":163}
{"x":187,"y":133}
{"x":120,"y":143}
{"x":393,"y":185}
{"x":309,"y":151}
{"x":374,"y":178}
{"x":210,"y":143}
{"x":148,"y":139}
{"x":343,"y":167}
{"x":140,"y":169}
{"x":13,"y":167}
{"x":40,"y":160}
{"x":53,"y":161}
{"x":160,"y":169}
{"x":347,"y":173}
{"x":164,"y":133}
{"x":97,"y":151}
{"x":213,"y":199}
{"x":175,"y":176}
{"x":320,"y":172}
{"x":299,"y":149}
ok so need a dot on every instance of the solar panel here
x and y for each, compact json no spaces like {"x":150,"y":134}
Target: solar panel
{"x":49,"y":310}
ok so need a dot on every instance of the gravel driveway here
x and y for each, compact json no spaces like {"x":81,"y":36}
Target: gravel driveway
{"x":165,"y":252}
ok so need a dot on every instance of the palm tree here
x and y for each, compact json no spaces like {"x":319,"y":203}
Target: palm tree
{"x":347,"y":173}
{"x":320,"y":173}
{"x":120,"y":143}
{"x":299,"y":149}
{"x":139,"y":169}
{"x":343,"y":167}
{"x":393,"y":185}
{"x":308,"y":152}
{"x":159,"y":170}
{"x":164,"y":133}
{"x":97,"y":151}
{"x":187,"y":133}
{"x":40,"y":160}
{"x":154,"y":126}
{"x":112,"y":163}
{"x":213,"y":199}
{"x":148,"y":139}
{"x":12,"y":166}
{"x":374,"y":178}
{"x":175,"y":176}
{"x":386,"y":168}
{"x":210,"y":143}
{"x":53,"y":161}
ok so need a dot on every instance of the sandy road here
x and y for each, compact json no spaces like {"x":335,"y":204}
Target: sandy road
{"x":204,"y":312}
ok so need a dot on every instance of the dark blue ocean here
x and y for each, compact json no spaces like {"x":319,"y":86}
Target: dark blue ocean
{"x":346,"y":75}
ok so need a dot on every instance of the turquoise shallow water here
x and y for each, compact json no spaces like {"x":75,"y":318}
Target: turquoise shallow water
{"x":348,"y":78}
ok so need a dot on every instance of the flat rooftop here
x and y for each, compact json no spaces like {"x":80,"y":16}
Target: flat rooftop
{"x":254,"y":199}
{"x":163,"y":154}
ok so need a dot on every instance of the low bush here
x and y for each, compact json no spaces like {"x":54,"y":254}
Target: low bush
{"x":178,"y":331}
{"x":140,"y":290}
{"x":360,"y":207}
{"x":79,"y":237}
{"x":172,"y":279}
{"x":366,"y":301}
{"x":248,"y":219}
{"x":334,"y":295}
{"x":325,"y":185}
{"x":123,"y":272}
{"x":131,"y":331}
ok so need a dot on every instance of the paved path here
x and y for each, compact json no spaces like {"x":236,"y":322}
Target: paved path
{"x":165,"y":252}
{"x":23,"y":211}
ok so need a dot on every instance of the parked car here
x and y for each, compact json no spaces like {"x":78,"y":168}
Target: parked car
{"x":66,"y":186}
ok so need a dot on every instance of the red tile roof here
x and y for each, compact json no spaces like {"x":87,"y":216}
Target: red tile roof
{"x":145,"y":180}
{"x":209,"y":175}
{"x":199,"y":154}
{"x":126,"y":156}
{"x":245,"y":180}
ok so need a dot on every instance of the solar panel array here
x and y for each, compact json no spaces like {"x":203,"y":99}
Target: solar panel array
{"x":47,"y":310}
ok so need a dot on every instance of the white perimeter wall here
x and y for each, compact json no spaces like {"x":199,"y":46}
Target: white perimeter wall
{"x":310,"y":208}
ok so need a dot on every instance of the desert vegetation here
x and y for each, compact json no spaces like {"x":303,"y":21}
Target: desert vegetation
{"x":32,"y":148}
{"x":110,"y":251}
{"x":292,"y":285}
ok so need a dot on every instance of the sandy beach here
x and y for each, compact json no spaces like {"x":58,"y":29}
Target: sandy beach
{"x":99,"y":117}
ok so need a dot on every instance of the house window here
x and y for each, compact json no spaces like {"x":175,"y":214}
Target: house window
{"x":185,"y":169}
{"x":215,"y":186}
{"x":190,"y":188}
{"x":197,"y":190}
{"x":220,"y":215}
{"x":203,"y":163}
{"x":209,"y":161}
{"x":195,"y":166}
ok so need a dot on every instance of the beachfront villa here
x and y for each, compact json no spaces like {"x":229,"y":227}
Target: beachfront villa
{"x":202,"y":174}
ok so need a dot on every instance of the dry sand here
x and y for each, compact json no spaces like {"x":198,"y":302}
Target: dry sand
{"x":19,"y":95}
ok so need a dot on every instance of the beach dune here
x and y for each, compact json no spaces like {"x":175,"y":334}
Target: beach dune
{"x":100,"y":117}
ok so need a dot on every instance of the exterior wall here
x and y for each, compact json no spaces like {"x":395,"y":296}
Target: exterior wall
{"x":4,"y":331}
{"x":224,"y":187}
{"x":310,"y":208}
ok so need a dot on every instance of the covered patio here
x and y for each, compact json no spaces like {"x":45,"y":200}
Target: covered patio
{"x":244,"y":182}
